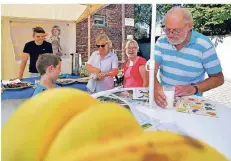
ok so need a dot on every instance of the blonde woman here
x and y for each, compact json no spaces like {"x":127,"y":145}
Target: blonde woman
{"x":135,"y":74}
{"x":103,"y":66}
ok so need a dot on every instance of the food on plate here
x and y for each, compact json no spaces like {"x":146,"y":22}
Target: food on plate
{"x":17,"y":85}
{"x":65,"y":81}
{"x":82,"y":80}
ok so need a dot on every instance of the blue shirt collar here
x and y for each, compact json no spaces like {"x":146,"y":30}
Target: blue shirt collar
{"x":108,"y":55}
{"x":193,"y":37}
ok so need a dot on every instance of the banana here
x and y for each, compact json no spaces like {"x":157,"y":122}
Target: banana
{"x":149,"y":146}
{"x":101,"y":122}
{"x":70,"y":125}
{"x":29,"y":132}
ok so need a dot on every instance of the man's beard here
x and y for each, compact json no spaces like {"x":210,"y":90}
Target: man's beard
{"x":178,"y":41}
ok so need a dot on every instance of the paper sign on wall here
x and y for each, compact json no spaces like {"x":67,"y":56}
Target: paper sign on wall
{"x":129,"y":22}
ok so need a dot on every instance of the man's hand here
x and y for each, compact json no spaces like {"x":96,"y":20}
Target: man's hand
{"x":20,"y":78}
{"x":184,"y":90}
{"x":160,"y":97}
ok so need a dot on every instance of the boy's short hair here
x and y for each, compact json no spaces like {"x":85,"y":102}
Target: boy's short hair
{"x":46,"y":60}
{"x":38,"y":30}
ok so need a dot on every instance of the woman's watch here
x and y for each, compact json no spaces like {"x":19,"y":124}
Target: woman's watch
{"x":196,"y":88}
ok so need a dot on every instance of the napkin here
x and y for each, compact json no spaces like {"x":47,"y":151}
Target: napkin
{"x":91,"y":85}
{"x":5,"y":82}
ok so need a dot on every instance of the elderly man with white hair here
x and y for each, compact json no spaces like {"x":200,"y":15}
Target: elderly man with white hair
{"x":183,"y":56}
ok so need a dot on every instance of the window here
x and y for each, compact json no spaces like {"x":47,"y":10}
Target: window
{"x":99,"y":20}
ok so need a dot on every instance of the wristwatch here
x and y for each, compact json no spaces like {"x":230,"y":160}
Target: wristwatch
{"x":196,"y":88}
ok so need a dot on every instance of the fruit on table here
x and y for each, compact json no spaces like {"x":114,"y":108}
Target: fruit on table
{"x":149,"y":146}
{"x":100,"y":122}
{"x":65,"y":124}
{"x":28,"y":133}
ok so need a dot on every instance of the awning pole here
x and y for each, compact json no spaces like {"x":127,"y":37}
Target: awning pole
{"x":151,"y":61}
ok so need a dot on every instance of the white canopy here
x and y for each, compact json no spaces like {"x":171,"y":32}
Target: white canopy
{"x":70,"y":13}
{"x":56,"y":12}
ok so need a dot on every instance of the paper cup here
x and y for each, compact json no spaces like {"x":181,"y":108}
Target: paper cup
{"x":169,"y":91}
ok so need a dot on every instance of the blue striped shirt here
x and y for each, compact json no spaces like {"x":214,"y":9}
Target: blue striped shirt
{"x":189,"y":64}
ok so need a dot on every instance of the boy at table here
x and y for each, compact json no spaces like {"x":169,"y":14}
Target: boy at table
{"x":49,"y":67}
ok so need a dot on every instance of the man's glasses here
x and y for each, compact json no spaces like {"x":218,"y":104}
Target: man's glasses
{"x":174,"y":31}
{"x":102,"y":46}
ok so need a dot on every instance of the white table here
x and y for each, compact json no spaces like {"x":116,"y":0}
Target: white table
{"x":215,"y":131}
{"x":8,"y":107}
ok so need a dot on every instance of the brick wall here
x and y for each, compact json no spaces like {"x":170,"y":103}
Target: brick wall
{"x":81,"y":38}
{"x":129,"y":13}
{"x":113,"y":29}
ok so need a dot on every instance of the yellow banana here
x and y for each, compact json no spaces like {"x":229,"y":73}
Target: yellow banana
{"x":149,"y":146}
{"x":29,"y":132}
{"x":69,"y":125}
{"x":101,"y":122}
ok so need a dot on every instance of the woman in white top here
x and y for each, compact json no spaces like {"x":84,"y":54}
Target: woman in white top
{"x":102,"y":65}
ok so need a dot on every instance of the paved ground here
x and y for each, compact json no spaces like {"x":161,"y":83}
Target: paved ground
{"x":221,"y":94}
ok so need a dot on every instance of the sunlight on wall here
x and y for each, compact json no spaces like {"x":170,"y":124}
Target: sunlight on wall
{"x":10,"y":68}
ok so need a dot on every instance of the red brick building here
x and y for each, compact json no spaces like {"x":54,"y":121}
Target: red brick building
{"x":109,"y":21}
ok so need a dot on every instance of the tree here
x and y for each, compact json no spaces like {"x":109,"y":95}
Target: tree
{"x":142,"y":16}
{"x":209,"y":19}
{"x":212,"y":19}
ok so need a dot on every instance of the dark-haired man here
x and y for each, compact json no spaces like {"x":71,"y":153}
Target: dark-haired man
{"x":33,"y":49}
